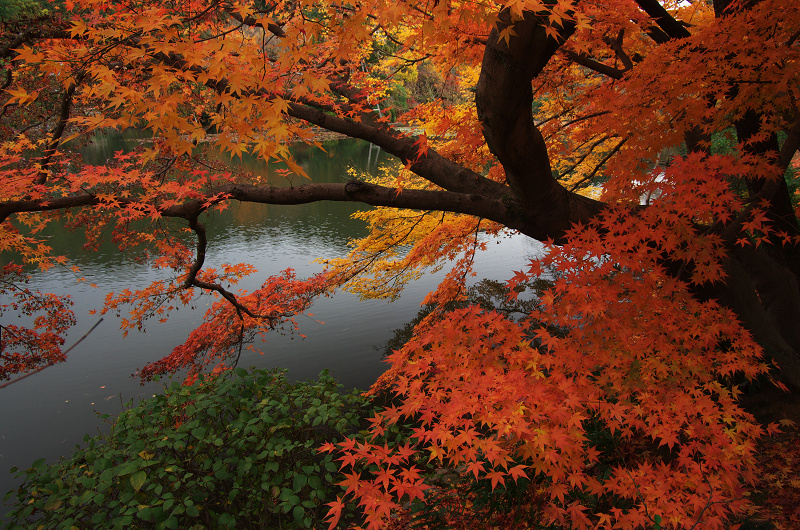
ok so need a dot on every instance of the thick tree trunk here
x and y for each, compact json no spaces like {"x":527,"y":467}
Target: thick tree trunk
{"x":765,"y":294}
{"x":763,"y":283}
{"x":504,"y":99}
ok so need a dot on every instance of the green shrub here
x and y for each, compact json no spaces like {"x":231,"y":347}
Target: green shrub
{"x":21,"y":10}
{"x":235,"y":452}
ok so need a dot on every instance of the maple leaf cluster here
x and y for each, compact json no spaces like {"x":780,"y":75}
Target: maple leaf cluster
{"x":780,"y":481}
{"x":648,"y":143}
{"x":37,"y":345}
{"x":616,"y":343}
{"x":219,"y":340}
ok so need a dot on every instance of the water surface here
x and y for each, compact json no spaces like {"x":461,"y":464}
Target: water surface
{"x":47,"y":414}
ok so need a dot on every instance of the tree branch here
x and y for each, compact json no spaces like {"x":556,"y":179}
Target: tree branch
{"x":586,"y":61}
{"x":504,"y":99}
{"x":616,"y":45}
{"x":32,"y":33}
{"x":430,"y":165}
{"x":656,"y":35}
{"x":200,"y":257}
{"x":582,"y":157}
{"x":61,"y":124}
{"x":499,"y":210}
{"x":43,"y":205}
{"x":590,"y":176}
{"x":673,"y":28}
{"x":273,"y":28}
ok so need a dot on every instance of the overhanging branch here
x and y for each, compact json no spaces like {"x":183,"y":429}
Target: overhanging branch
{"x":672,"y":27}
{"x":596,"y":66}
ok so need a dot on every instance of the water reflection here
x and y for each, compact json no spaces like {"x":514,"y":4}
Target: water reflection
{"x":106,"y":143}
{"x":46,"y":415}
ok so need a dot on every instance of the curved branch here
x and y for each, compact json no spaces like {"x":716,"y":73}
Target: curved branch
{"x":200,"y":257}
{"x":200,"y":254}
{"x":430,"y":166}
{"x":273,"y":28}
{"x":32,"y":33}
{"x":504,"y":98}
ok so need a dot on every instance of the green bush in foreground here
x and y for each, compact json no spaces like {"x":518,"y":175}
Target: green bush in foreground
{"x":235,"y":452}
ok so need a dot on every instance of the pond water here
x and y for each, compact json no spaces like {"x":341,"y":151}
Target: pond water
{"x":47,"y":414}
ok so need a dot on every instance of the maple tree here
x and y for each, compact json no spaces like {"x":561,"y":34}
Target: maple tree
{"x":649,"y":143}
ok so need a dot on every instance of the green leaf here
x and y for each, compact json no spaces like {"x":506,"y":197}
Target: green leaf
{"x":53,"y":504}
{"x":86,"y":497}
{"x":299,"y":482}
{"x":298,"y":513}
{"x":138,"y":479}
{"x":144,"y":513}
{"x":176,"y":477}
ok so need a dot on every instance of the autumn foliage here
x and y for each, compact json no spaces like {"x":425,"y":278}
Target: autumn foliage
{"x":30,"y":347}
{"x":648,"y":143}
{"x":502,"y":400}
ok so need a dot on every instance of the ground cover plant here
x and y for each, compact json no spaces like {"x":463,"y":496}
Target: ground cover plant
{"x":648,"y":143}
{"x":224,"y":452}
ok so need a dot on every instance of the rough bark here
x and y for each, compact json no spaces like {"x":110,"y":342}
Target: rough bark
{"x":765,"y":295}
{"x":504,"y":99}
{"x":761,"y":285}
